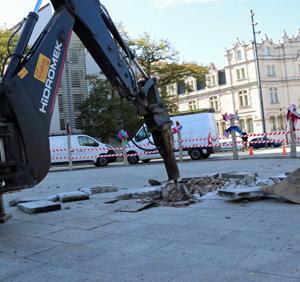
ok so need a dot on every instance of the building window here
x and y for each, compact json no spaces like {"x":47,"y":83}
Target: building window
{"x":74,"y":56}
{"x":243,"y":98}
{"x":172,"y":90}
{"x":222,"y":128}
{"x":190,"y":86}
{"x":280,"y":122}
{"x":213,"y":80}
{"x":180,"y":88}
{"x":240,"y":74}
{"x":272,"y":121}
{"x":62,"y":124}
{"x":242,"y":124}
{"x":273,"y":95}
{"x":271,"y":71}
{"x":75,"y":78}
{"x":238,"y":55}
{"x":267,"y":51}
{"x":214,"y":103}
{"x":77,"y":99}
{"x":192,"y":105}
{"x":249,"y":125}
{"x":60,"y":103}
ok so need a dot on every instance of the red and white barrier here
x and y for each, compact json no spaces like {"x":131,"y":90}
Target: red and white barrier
{"x":76,"y":158}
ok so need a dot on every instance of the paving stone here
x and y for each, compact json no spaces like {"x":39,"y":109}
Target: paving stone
{"x":22,"y":245}
{"x":196,"y":253}
{"x":66,"y":255}
{"x":28,"y":228}
{"x":15,"y":202}
{"x":255,"y":240}
{"x":85,"y":222}
{"x":51,"y":273}
{"x":136,"y":268}
{"x":39,"y":207}
{"x":277,"y":263}
{"x":73,"y":196}
{"x":99,"y":189}
{"x":11,"y":265}
{"x":75,"y":236}
{"x":219,"y":274}
{"x":138,"y":245}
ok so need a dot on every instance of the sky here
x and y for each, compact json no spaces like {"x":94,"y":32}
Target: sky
{"x":199,"y":29}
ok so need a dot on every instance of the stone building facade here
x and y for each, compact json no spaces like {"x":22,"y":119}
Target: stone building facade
{"x":73,"y":89}
{"x":235,"y":88}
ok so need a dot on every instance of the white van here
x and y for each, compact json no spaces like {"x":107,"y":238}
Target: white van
{"x":199,"y":136}
{"x":84,"y":149}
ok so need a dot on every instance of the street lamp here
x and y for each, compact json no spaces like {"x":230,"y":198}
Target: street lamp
{"x":70,"y":112}
{"x":258,"y":72}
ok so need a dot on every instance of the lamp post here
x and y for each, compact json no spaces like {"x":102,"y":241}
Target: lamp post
{"x":70,"y":114}
{"x":258,"y":72}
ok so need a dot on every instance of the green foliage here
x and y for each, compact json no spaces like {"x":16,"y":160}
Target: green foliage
{"x":160,"y":59}
{"x":104,"y":113}
{"x":5,"y":35}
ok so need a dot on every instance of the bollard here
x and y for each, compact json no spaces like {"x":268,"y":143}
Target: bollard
{"x":70,"y":151}
{"x":180,"y":146}
{"x":293,"y":137}
{"x":234,"y":147}
{"x":124,"y":142}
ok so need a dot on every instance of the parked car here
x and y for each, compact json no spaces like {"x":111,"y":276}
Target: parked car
{"x":227,"y":146}
{"x":84,"y":149}
{"x":269,"y":143}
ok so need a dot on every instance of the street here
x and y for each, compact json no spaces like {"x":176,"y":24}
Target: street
{"x":214,"y":240}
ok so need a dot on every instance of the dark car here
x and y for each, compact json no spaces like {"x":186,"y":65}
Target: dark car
{"x":268,"y":143}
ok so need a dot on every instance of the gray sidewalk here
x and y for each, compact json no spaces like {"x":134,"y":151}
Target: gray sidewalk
{"x":214,"y":240}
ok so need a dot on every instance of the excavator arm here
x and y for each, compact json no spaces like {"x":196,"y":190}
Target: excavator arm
{"x":29,"y":87}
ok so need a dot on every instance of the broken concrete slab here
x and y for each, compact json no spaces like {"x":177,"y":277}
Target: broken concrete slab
{"x":237,"y":193}
{"x":99,"y":189}
{"x":154,"y":182}
{"x":237,"y":175}
{"x":39,"y":206}
{"x":73,"y":196}
{"x":134,"y":206}
{"x":15,"y":202}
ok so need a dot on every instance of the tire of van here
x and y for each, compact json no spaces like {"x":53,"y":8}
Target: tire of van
{"x":101,"y":161}
{"x":196,"y":154}
{"x":133,"y":159}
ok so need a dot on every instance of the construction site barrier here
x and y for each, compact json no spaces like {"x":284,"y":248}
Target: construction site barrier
{"x":228,"y":144}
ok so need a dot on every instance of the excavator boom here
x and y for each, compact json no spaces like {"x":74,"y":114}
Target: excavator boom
{"x":30,"y":84}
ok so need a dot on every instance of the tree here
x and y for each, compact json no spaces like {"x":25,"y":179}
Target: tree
{"x":160,"y":59}
{"x":104,"y":113}
{"x":5,"y":35}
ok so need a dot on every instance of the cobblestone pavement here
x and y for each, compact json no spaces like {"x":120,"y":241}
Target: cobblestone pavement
{"x":215,"y":240}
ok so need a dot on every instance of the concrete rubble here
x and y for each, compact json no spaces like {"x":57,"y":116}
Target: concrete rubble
{"x":233,"y":186}
{"x":39,"y":206}
{"x":191,"y":190}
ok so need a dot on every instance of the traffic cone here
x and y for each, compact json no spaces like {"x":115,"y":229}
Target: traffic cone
{"x":284,"y":150}
{"x":251,"y":151}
